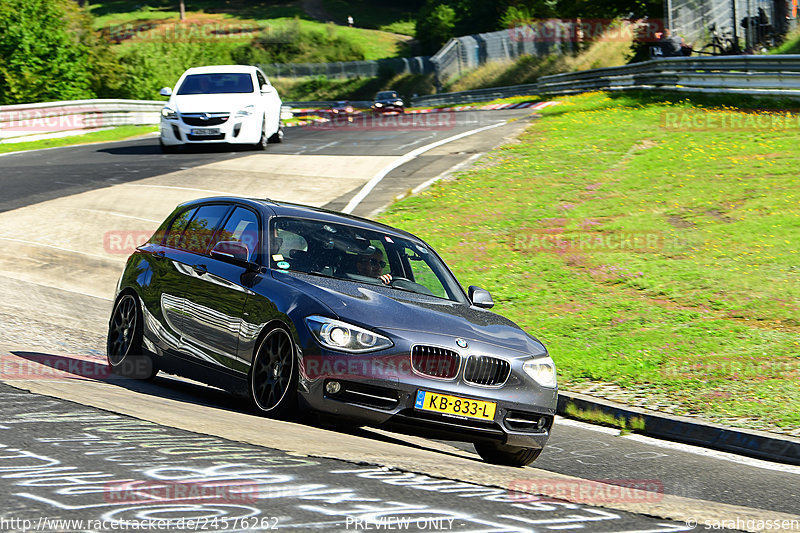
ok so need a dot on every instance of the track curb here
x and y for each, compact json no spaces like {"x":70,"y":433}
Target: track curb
{"x":752,"y":443}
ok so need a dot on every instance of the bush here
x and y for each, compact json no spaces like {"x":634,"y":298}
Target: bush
{"x":44,"y":51}
{"x":435,"y":26}
{"x":156,"y":64}
{"x":296,"y":44}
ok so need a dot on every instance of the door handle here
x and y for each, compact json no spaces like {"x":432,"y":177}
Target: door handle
{"x":200,"y":269}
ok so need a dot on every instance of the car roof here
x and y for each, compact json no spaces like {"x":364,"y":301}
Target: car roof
{"x":288,"y":209}
{"x":221,"y":69}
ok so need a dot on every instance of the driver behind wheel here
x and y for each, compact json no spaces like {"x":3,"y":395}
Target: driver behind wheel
{"x":372,"y":265}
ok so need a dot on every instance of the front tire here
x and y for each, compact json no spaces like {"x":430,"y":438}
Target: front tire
{"x":277,"y":137}
{"x":124,"y":342}
{"x":273,"y":376}
{"x":262,"y":142}
{"x":167,"y":148}
{"x":501,"y":454}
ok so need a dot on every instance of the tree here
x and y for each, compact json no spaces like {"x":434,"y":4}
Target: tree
{"x":49,"y":51}
{"x":435,"y":25}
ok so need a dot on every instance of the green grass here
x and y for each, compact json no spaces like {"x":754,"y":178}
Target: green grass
{"x":596,"y":416}
{"x":115,"y":134}
{"x":705,"y":318}
{"x":119,"y":11}
{"x":790,"y":46}
{"x":202,"y":18}
{"x":387,"y":16}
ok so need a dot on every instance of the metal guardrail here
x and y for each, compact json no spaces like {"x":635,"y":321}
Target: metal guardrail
{"x":477,"y":95}
{"x":49,"y":117}
{"x":755,"y":75}
{"x":777,"y":75}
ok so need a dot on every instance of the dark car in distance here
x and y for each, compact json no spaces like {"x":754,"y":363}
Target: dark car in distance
{"x":388,"y":102}
{"x":307,"y":310}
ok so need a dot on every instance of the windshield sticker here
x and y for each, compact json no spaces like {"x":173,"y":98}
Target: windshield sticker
{"x":388,"y":239}
{"x":283,"y":264}
{"x":277,"y":257}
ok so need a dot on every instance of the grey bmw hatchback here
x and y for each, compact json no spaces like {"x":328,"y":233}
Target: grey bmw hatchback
{"x":306,"y":310}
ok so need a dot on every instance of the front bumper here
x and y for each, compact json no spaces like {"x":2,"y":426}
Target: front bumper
{"x":390,"y":108}
{"x":235,"y":130}
{"x":380,"y":389}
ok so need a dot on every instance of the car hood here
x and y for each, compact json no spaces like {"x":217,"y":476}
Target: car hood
{"x":211,"y":103}
{"x":390,"y":309}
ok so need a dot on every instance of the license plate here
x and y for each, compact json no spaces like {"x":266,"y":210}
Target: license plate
{"x":453,"y":405}
{"x":205,"y":131}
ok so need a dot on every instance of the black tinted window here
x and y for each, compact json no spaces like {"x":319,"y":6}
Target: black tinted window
{"x":200,"y":230}
{"x":242,"y":226}
{"x":178,"y":226}
{"x":217,"y":84}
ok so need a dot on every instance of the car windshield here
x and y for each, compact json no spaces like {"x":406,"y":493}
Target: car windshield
{"x":346,"y":252}
{"x":217,"y":83}
{"x":385,"y":95}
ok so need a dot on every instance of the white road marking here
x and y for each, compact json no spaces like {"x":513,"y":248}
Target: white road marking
{"x":715,"y":454}
{"x":112,"y":213}
{"x":59,"y":248}
{"x":416,"y":141}
{"x":687,"y":448}
{"x":371,"y":184}
{"x":326,"y":145}
{"x":151,"y":186}
{"x":451,"y":170}
{"x":561,"y":421}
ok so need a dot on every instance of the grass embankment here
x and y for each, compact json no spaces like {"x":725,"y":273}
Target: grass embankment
{"x":115,"y":134}
{"x":660,"y":266}
{"x":233,"y":26}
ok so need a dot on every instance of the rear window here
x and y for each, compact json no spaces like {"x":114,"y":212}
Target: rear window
{"x":217,"y":84}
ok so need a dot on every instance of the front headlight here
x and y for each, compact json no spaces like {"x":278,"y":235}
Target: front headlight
{"x":169,"y":113}
{"x":399,"y":102}
{"x":378,"y":104}
{"x":342,"y":336}
{"x":246,"y":111}
{"x":542,"y":370}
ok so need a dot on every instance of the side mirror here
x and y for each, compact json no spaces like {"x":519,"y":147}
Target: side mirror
{"x":267,"y":88}
{"x":231,"y":252}
{"x":480,"y":297}
{"x":166,"y":91}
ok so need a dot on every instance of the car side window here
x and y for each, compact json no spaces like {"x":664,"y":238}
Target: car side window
{"x":242,"y":226}
{"x":422,"y":271}
{"x":261,"y":80}
{"x":200,"y":230}
{"x":178,"y":226}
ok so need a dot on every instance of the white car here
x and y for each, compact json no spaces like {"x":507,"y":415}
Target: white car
{"x":233,"y":104}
